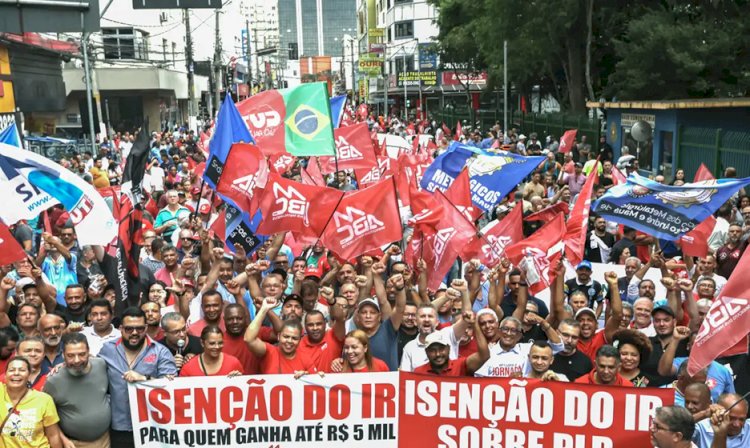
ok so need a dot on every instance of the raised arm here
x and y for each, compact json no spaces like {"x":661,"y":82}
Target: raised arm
{"x":665,"y":367}
{"x":377,"y":279}
{"x":615,"y":302}
{"x":398,"y":311}
{"x":673,"y":297}
{"x":557,"y":296}
{"x":258,"y":347}
{"x":686,"y":289}
{"x":476,"y":360}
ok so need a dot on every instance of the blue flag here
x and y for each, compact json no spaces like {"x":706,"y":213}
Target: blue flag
{"x":9,"y":136}
{"x":665,"y":211}
{"x":337,"y":109}
{"x":241,"y":230}
{"x":230,"y":128}
{"x":491,"y":175}
{"x":445,"y":168}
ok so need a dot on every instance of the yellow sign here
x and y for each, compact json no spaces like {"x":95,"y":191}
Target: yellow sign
{"x":364,"y":90}
{"x":369,"y":65}
{"x":376,"y":32}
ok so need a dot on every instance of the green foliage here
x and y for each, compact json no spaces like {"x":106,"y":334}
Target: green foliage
{"x":640,"y":49}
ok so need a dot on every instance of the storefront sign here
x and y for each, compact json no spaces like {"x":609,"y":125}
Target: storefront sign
{"x":463,"y":78}
{"x":428,"y":78}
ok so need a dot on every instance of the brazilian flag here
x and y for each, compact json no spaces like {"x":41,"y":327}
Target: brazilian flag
{"x":296,"y":120}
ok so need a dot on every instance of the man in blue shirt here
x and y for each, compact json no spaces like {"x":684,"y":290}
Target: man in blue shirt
{"x":133,"y":358}
{"x":58,"y":264}
{"x":727,"y":428}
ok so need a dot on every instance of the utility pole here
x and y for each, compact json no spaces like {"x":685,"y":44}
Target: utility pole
{"x":87,"y":77}
{"x":505,"y":88}
{"x":354,"y":85}
{"x":247,"y":56}
{"x":217,"y":67}
{"x":189,"y":66}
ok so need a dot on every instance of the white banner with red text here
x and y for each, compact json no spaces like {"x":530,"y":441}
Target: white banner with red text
{"x":389,"y":410}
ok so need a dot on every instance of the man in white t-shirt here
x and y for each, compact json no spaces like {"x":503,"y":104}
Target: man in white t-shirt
{"x":427,"y":321}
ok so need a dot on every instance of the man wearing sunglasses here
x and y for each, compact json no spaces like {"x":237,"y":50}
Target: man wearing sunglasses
{"x":133,"y":358}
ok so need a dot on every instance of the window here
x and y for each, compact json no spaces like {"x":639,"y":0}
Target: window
{"x":399,"y":63}
{"x":403,"y":1}
{"x":403,"y":30}
{"x":124,"y":43}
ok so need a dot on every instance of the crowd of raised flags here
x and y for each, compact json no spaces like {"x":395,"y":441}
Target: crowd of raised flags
{"x":323,"y":173}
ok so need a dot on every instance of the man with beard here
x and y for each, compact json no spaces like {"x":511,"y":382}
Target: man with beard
{"x":51,"y":326}
{"x":281,"y":359}
{"x":606,"y":370}
{"x":80,"y":391}
{"x":438,"y":351}
{"x":408,"y":329}
{"x":211,"y":304}
{"x":320,"y":345}
{"x":728,"y":255}
{"x":101,"y":330}
{"x":570,"y":361}
{"x":599,"y":242}
{"x":427,"y":322}
{"x":664,"y":324}
{"x":236,"y":321}
{"x":74,"y":309}
{"x":590,"y":340}
{"x":134,"y":358}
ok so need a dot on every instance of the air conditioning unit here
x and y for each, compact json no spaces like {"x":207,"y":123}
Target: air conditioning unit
{"x":163,"y":18}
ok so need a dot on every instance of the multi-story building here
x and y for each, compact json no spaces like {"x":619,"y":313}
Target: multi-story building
{"x":318,"y":28}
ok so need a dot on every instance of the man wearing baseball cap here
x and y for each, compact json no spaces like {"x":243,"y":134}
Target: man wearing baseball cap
{"x":583,"y":282}
{"x":591,"y":340}
{"x":438,"y":355}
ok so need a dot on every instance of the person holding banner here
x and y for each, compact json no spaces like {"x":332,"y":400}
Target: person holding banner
{"x":357,"y":355}
{"x":438,"y":354}
{"x":212,"y":362}
{"x":606,"y":370}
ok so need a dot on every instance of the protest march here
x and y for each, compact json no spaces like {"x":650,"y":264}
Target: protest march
{"x":349,"y":279}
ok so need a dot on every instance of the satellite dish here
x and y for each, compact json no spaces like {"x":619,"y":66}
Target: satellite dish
{"x":641,"y":131}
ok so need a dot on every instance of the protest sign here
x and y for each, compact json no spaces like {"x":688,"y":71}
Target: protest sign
{"x":356,"y":411}
{"x":452,"y":412}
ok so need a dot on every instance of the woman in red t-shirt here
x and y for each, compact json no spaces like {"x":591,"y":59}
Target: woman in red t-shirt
{"x":357,"y":355}
{"x":212,"y":362}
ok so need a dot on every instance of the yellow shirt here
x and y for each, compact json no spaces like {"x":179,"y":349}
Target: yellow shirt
{"x":25,"y":428}
{"x":101,"y":180}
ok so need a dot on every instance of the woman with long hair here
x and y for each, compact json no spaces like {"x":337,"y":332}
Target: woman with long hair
{"x":357,"y":355}
{"x":28,"y":418}
{"x":618,"y":255}
{"x":212,"y":362}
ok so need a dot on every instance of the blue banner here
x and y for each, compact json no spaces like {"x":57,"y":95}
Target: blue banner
{"x":9,"y":136}
{"x":445,"y":168}
{"x":230,"y":128}
{"x":665,"y":211}
{"x":492,"y":175}
{"x":241,"y":230}
{"x":337,"y":109}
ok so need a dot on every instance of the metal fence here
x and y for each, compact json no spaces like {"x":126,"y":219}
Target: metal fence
{"x":543,"y":124}
{"x":717,"y":148}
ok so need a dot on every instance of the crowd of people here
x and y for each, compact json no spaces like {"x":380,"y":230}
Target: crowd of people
{"x":68,"y":348}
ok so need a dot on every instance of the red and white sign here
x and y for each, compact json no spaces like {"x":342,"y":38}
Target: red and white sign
{"x":453,"y":412}
{"x":244,"y":171}
{"x":462,"y":78}
{"x":354,"y":150}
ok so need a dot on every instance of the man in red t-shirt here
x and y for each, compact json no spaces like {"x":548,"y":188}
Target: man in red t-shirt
{"x":283,"y":358}
{"x":319,"y":344}
{"x":606,"y":369}
{"x":438,"y":355}
{"x":235,"y":319}
{"x":591,"y":340}
{"x":211,"y":305}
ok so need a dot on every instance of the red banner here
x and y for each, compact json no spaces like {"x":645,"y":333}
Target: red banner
{"x":453,"y":412}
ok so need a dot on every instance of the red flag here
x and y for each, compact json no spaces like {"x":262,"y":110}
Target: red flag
{"x":364,"y":220}
{"x":459,"y":131}
{"x":219,"y":225}
{"x":315,"y":177}
{"x":703,"y":173}
{"x":566,"y":141}
{"x":727,"y":323}
{"x":10,"y":250}
{"x":384,"y":168}
{"x":431,"y":146}
{"x":446,"y":130}
{"x":287,"y":204}
{"x":617,"y":176}
{"x":363,"y":111}
{"x":47,"y":225}
{"x":459,"y":193}
{"x":538,"y":254}
{"x":578,"y":223}
{"x":244,"y":171}
{"x":413,"y":251}
{"x":354,"y":150}
{"x":441,"y":249}
{"x":695,"y":242}
{"x":415,"y":144}
{"x":548,"y":213}
{"x":282,"y":162}
{"x":496,"y":236}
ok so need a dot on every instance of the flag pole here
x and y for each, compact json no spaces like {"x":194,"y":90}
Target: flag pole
{"x":398,"y":209}
{"x":198,"y":202}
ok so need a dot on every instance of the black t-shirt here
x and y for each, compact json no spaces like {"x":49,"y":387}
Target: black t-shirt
{"x":573,"y":366}
{"x":651,"y":366}
{"x":193,"y":346}
{"x":594,"y":291}
{"x":23,"y":232}
{"x":509,"y":306}
{"x":592,"y":252}
{"x":69,"y":316}
{"x":403,"y":339}
{"x":535,"y":333}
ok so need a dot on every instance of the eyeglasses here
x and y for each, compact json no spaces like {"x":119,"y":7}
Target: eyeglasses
{"x":138,"y":329}
{"x":655,"y":427}
{"x":510,"y":330}
{"x":178,"y":331}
